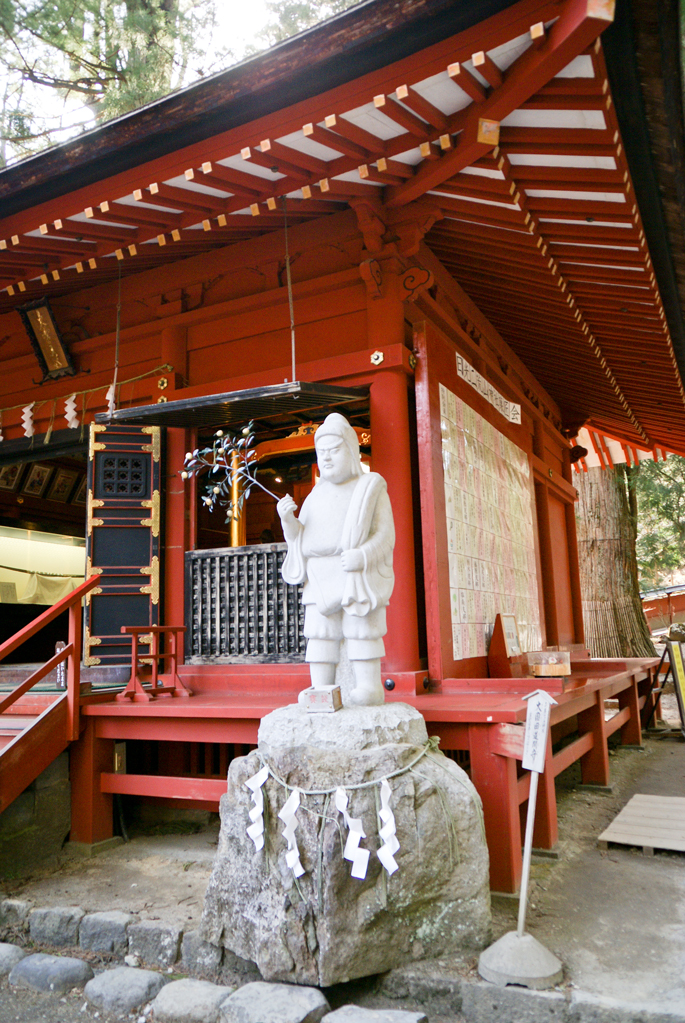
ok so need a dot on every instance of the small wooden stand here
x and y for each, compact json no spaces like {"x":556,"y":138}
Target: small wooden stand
{"x":144,"y":684}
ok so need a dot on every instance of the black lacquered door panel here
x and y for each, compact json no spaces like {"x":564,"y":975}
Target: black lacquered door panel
{"x":123,"y":537}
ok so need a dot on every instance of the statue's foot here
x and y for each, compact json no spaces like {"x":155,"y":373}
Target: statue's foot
{"x":366,"y":697}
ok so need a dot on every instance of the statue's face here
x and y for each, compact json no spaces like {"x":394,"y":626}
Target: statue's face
{"x":334,"y":460}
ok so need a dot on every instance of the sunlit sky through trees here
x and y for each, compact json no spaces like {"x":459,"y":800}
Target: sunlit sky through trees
{"x":68,"y":65}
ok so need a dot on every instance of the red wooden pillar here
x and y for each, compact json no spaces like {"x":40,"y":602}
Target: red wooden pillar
{"x":495,"y":779}
{"x":594,"y":765}
{"x":546,"y":829}
{"x":176,"y":526}
{"x":91,"y":809}
{"x":631,"y":732}
{"x":391,"y":458}
{"x":174,"y":352}
{"x":576,"y":592}
{"x":547,"y":564}
{"x":176,"y":519}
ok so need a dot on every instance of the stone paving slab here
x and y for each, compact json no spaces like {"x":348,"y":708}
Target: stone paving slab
{"x":154,"y":945}
{"x":56,"y":925}
{"x":189,"y":1001}
{"x":54,"y":974}
{"x":434,"y":984}
{"x":587,"y":1008}
{"x":105,"y":932}
{"x":123,"y":989}
{"x":355,"y":1014}
{"x":10,"y":955}
{"x":260,"y":1002}
{"x":483,"y":1003}
{"x":14,"y":912}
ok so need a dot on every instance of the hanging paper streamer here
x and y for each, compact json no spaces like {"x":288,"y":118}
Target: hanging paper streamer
{"x":70,"y":413}
{"x":386,"y":853}
{"x":359,"y":858}
{"x":110,"y":399}
{"x":256,"y":830}
{"x":289,"y":818}
{"x":27,"y":420}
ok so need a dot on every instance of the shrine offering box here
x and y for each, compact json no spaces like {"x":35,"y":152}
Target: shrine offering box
{"x":549,"y":663}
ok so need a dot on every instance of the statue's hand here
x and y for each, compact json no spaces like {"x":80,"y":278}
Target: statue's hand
{"x":352,"y":560}
{"x":286,"y":509}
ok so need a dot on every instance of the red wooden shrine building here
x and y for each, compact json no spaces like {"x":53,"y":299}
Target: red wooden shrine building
{"x":479,"y":268}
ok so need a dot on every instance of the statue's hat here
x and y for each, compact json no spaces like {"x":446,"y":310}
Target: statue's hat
{"x":335,"y":425}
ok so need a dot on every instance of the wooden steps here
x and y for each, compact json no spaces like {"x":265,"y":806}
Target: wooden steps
{"x":29,"y":744}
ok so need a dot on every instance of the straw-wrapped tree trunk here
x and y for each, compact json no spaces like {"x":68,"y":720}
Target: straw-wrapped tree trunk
{"x":606,"y":513}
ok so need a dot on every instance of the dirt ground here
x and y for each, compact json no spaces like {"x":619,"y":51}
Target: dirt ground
{"x":162,"y":877}
{"x":159,"y":877}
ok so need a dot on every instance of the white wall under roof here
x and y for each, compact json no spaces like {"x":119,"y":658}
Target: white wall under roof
{"x":26,"y":554}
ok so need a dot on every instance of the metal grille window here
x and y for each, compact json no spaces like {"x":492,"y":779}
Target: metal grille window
{"x":239,"y":609}
{"x":122,"y":476}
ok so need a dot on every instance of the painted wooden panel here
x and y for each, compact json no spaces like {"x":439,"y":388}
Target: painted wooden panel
{"x":122,"y":538}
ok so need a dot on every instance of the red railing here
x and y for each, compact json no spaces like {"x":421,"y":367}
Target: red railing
{"x":71,"y":653}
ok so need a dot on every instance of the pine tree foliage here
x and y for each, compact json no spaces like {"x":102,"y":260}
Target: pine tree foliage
{"x":660,"y":490}
{"x":107,"y":58}
{"x":292,"y":16}
{"x":63,"y":61}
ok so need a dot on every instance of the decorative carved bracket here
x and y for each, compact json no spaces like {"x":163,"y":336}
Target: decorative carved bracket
{"x":415,"y":280}
{"x":411,"y":223}
{"x":371,"y":225}
{"x":372,"y":275}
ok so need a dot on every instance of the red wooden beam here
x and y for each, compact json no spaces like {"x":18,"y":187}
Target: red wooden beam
{"x":578,"y":25}
{"x":162,"y":785}
{"x":416,"y":102}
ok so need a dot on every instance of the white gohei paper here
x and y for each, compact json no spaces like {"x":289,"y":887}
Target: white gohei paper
{"x":391,"y":845}
{"x":288,"y":815}
{"x":256,"y":830}
{"x":359,"y":858}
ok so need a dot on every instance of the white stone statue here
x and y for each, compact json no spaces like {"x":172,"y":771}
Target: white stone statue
{"x":341,"y":548}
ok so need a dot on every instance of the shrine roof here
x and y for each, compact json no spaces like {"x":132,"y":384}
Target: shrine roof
{"x":498,"y":121}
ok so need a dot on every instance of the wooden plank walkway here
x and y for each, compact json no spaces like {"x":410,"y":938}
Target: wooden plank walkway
{"x":652,"y":822}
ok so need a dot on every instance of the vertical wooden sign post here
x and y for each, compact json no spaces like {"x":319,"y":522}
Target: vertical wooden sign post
{"x":517,"y":957}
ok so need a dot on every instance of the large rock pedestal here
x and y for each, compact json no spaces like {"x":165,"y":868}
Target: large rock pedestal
{"x":327,"y":926}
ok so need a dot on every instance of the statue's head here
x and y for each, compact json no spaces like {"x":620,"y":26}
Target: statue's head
{"x":337,"y":450}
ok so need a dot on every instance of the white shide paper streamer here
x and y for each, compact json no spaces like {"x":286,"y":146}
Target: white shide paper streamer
{"x":386,"y":853}
{"x":359,"y":858}
{"x":289,"y":818}
{"x":256,"y":829}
